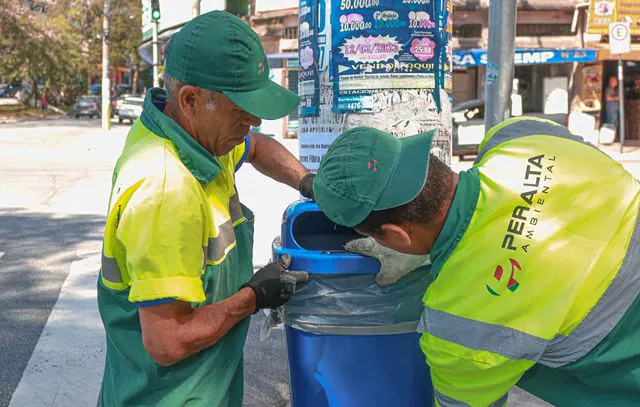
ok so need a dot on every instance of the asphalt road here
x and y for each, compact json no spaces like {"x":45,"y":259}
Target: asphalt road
{"x":55,"y":180}
{"x":39,"y":163}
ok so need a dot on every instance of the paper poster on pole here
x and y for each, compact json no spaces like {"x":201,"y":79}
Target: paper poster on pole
{"x":313,"y":147}
{"x":308,"y":80}
{"x":380,"y":45}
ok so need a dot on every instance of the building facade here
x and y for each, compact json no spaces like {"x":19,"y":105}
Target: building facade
{"x":550,"y":51}
{"x":597,"y":15}
{"x":548,"y":47}
{"x":276,"y":22}
{"x":562,"y":61}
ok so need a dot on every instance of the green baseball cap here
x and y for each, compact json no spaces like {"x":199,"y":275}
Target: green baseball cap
{"x":368,"y":170}
{"x":218,"y":51}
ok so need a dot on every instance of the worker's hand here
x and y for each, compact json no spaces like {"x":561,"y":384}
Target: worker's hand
{"x":274,"y":285}
{"x":394,"y":265}
{"x":306,"y":186}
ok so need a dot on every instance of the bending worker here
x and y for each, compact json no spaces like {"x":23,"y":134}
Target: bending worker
{"x":176,"y":286}
{"x":535,"y":252}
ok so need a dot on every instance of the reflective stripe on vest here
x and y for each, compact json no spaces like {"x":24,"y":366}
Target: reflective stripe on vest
{"x":477,"y":335}
{"x":219,"y":246}
{"x":524,"y":127}
{"x":235,"y":209}
{"x":446,"y":401}
{"x":110,"y":270}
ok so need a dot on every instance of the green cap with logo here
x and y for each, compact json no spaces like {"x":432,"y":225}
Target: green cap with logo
{"x":220,"y":52}
{"x":369,"y":170}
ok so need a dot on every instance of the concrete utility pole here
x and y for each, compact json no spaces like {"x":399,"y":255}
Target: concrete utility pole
{"x":404,"y":92}
{"x":195,"y":8}
{"x":499,"y":81}
{"x":106,"y":82}
{"x":154,"y":45}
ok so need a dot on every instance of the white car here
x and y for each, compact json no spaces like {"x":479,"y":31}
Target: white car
{"x":131,"y":109}
{"x":468,"y":126}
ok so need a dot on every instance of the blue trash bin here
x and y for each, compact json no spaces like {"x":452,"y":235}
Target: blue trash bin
{"x":350,"y":342}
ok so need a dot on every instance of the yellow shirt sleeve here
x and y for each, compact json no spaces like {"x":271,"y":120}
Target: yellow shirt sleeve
{"x":162,"y":232}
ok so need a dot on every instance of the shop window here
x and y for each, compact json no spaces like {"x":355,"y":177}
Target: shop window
{"x":290,"y":33}
{"x":276,"y":63}
{"x":467,"y":30}
{"x":543,"y":30}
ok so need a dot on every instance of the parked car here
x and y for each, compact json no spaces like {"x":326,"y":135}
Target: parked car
{"x":117,"y":103}
{"x":468,"y":126}
{"x":9,"y":91}
{"x":131,"y":109}
{"x":87,"y":106}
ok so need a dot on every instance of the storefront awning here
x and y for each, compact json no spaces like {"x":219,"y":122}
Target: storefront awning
{"x":478,"y":57}
{"x":605,"y":55}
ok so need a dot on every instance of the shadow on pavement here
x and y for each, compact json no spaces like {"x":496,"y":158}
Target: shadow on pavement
{"x":266,"y":369}
{"x":39,"y":248}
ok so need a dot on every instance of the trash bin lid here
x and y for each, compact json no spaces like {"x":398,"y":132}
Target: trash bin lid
{"x":316,"y":244}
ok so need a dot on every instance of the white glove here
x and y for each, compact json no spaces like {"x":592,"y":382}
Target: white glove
{"x":394,"y":265}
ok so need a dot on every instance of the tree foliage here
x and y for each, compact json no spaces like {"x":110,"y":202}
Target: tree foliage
{"x":62,"y":47}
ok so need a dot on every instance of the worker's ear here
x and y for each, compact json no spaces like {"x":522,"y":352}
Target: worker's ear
{"x":396,"y":234}
{"x":187,"y":99}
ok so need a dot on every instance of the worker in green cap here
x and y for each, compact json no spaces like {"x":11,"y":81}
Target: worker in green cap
{"x":176,"y":285}
{"x":535,"y":253}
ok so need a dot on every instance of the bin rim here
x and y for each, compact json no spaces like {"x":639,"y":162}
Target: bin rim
{"x":395,"y":329}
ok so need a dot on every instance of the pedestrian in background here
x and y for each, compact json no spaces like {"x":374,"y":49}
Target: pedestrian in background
{"x":612,"y":99}
{"x":44,"y":103}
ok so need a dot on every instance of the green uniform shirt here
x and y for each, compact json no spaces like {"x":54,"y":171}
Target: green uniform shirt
{"x":537,"y":275}
{"x":175,"y":231}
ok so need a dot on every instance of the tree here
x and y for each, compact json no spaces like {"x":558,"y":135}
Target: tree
{"x":63,"y":46}
{"x":33,"y":48}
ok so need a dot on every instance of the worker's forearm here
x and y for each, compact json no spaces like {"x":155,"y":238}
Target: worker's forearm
{"x":205,"y":326}
{"x":274,"y":160}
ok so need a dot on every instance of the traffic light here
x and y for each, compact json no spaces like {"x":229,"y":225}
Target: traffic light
{"x":155,"y":10}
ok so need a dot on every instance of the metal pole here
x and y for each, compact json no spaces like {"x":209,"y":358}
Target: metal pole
{"x":156,"y":81}
{"x":106,"y":82}
{"x":621,"y":97}
{"x":499,"y":81}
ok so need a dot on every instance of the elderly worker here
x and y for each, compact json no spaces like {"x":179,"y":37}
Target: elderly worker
{"x":176,"y":286}
{"x":535,"y":254}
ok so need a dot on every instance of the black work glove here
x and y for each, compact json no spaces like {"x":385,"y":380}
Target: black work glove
{"x":274,"y":285}
{"x":306,"y":186}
